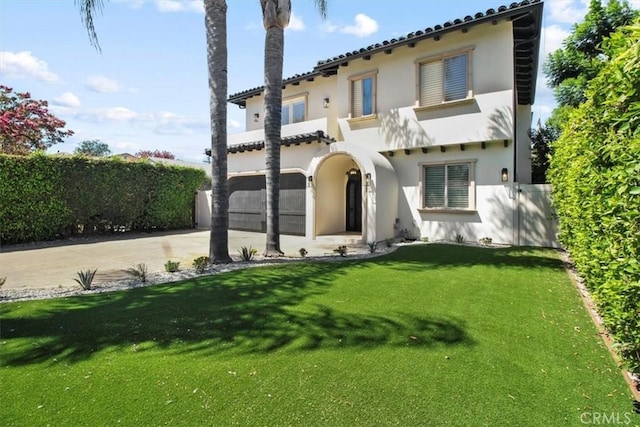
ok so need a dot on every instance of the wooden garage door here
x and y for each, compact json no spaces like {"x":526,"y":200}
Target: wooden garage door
{"x":247,"y":203}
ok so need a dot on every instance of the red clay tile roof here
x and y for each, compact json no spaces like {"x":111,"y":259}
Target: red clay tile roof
{"x":525,"y":15}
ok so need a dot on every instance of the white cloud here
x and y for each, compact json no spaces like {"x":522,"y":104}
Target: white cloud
{"x":67,"y":99}
{"x":132,"y":4}
{"x":102,"y":84}
{"x":567,"y":11}
{"x":552,"y":37}
{"x":364,"y":26}
{"x":163,"y":123}
{"x":328,"y":27}
{"x":113,"y":114}
{"x":295,"y":23}
{"x":234,"y":124}
{"x":24,"y":64}
{"x":180,"y":6}
{"x":166,"y":123}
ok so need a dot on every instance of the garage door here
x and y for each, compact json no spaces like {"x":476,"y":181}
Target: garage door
{"x":248,"y":203}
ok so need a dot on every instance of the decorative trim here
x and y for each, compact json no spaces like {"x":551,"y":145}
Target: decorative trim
{"x":360,"y":119}
{"x":447,"y":104}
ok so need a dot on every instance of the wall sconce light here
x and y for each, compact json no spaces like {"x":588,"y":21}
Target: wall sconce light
{"x":504,"y":175}
{"x":353,"y":172}
{"x":325,"y":103}
{"x":310,"y":179}
{"x":256,"y":117}
{"x":367,"y":179}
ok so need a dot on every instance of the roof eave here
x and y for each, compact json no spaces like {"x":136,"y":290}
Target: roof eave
{"x":330,"y":66}
{"x":240,"y":98}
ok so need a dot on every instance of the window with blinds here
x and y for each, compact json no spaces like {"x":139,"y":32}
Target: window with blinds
{"x":447,"y":186}
{"x":444,"y":80}
{"x":294,"y":111}
{"x":363,"y":97}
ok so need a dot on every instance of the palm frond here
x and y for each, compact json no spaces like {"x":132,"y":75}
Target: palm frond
{"x":88,"y":10}
{"x":321,"y":5}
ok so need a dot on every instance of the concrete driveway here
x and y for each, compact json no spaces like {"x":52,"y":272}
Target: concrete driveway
{"x":55,"y":264}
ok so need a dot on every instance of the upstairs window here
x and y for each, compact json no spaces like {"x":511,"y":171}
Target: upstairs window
{"x":444,"y":79}
{"x":294,"y":111}
{"x":448,"y":186}
{"x":363,"y":95}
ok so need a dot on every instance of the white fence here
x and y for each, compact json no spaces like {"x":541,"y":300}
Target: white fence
{"x":203,"y":209}
{"x":537,"y":220}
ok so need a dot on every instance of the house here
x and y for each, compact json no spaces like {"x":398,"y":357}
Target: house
{"x":424,"y":136}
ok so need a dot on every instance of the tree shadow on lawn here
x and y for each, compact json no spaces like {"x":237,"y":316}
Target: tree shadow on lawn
{"x":256,"y":310}
{"x":437,"y":255}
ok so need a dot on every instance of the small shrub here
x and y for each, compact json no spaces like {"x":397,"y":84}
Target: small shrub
{"x":3,"y":280}
{"x":85,"y":278}
{"x":486,"y":240}
{"x":201,"y":264}
{"x":459,"y":238}
{"x":139,"y":272}
{"x":389,"y":242}
{"x":342,"y":250}
{"x":303,"y":252}
{"x":373,"y":246}
{"x":406,"y":236}
{"x":247,"y":253}
{"x":171,"y":266}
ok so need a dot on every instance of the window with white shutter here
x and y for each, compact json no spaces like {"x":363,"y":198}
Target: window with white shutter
{"x":444,"y":79}
{"x":448,"y":186}
{"x":363,"y":95}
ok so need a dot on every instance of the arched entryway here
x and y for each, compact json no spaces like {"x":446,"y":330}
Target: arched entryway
{"x":352,"y":191}
{"x":339,"y":195}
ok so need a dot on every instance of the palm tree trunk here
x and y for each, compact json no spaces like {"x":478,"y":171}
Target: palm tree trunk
{"x":275,"y":17}
{"x":275,"y":14}
{"x":216,"y":29}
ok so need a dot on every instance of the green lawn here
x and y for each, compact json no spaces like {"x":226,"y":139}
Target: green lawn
{"x":429,"y":335}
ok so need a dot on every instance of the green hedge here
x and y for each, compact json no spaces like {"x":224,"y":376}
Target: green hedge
{"x":595,"y":173}
{"x":50,"y":197}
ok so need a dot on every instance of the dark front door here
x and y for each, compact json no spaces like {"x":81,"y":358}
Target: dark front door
{"x":354,"y":203}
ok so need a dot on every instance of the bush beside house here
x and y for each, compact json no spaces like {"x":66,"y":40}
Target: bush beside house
{"x":595,"y":173}
{"x":49,"y":197}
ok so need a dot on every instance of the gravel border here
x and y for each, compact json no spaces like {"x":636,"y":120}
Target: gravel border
{"x":159,"y":278}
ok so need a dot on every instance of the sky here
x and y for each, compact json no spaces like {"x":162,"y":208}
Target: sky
{"x":148,"y":88}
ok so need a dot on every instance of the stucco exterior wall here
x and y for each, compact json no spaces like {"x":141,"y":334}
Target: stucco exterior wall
{"x":316,"y":91}
{"x":294,"y":157}
{"x":495,"y":201}
{"x":376,"y":145}
{"x":488,"y":116}
{"x":523,"y":149}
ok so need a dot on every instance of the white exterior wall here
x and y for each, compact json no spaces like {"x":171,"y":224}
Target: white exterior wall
{"x":392,"y":202}
{"x":495,"y":202}
{"x":523,"y":154}
{"x":296,"y":157}
{"x":315,"y":91}
{"x":489,"y":116}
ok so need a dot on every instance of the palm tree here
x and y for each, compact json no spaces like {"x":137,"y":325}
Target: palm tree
{"x":215,"y":18}
{"x":275,"y":17}
{"x":216,"y":28}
